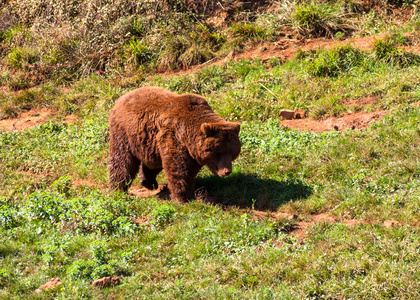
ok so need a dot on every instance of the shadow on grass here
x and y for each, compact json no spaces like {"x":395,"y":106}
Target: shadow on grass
{"x":249,"y":191}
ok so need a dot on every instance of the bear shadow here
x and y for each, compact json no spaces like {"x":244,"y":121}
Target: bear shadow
{"x":250,"y":191}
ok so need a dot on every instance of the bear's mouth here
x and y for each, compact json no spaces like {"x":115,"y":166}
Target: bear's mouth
{"x":222,"y":168}
{"x":223,"y":172}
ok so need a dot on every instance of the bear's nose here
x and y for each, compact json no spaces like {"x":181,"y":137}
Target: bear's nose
{"x":224,"y":172}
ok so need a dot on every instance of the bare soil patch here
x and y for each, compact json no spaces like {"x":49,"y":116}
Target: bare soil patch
{"x":32,"y":118}
{"x":52,"y":284}
{"x":301,"y":230}
{"x":359,"y":120}
{"x":364,"y":101}
{"x":89,"y":183}
{"x":162,"y":192}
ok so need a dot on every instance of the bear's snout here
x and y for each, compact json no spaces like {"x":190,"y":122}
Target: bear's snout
{"x":224,"y":166}
{"x":224,"y":172}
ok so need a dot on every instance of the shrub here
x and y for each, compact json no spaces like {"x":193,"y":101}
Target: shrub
{"x":387,"y":50}
{"x":249,"y":30}
{"x":320,"y":19}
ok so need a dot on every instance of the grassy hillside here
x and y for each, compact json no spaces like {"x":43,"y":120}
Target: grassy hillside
{"x":259,"y":233}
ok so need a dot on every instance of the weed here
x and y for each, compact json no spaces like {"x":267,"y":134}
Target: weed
{"x":138,"y":53}
{"x":249,"y":31}
{"x":331,"y":62}
{"x":319,"y":19}
{"x":9,"y":217}
{"x":386,"y":50}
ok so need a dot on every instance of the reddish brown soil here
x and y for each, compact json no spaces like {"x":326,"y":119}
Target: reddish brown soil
{"x":365,"y":101}
{"x":32,"y":118}
{"x":52,"y":284}
{"x":358,"y":120}
{"x":26,"y":120}
{"x":300,"y":230}
{"x":105,"y":282}
{"x":141,"y":192}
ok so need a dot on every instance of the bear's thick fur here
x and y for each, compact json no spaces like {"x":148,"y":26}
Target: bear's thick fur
{"x":153,"y":129}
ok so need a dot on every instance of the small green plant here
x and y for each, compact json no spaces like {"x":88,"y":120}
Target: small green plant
{"x":99,"y":252}
{"x":81,"y":269}
{"x":138,"y":53}
{"x":62,"y":185}
{"x":4,"y":277}
{"x":9,"y":214}
{"x":97,"y":268}
{"x":339,"y":35}
{"x":162,"y":215}
{"x":249,"y":31}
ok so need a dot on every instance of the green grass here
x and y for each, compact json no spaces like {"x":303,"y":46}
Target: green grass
{"x":57,"y":218}
{"x":54,"y":228}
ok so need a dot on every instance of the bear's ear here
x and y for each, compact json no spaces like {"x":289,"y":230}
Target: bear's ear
{"x":236,"y":127}
{"x":208,"y":129}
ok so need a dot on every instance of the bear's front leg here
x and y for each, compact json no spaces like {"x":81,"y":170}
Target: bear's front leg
{"x":179,"y":166}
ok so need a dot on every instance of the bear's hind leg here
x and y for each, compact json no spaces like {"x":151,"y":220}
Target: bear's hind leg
{"x":122,"y":171}
{"x":123,"y":165}
{"x":148,"y":177}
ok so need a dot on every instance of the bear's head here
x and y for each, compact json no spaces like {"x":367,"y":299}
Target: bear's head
{"x":221,"y":146}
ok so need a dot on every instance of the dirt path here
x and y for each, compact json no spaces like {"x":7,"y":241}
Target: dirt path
{"x":286,"y":49}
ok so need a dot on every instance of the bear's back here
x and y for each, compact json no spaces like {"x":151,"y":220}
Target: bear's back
{"x":157,"y":103}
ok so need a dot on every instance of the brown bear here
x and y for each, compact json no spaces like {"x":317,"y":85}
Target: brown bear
{"x":153,"y":129}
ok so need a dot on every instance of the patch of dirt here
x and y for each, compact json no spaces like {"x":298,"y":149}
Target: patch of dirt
{"x":89,"y":183}
{"x":301,"y":232}
{"x":52,"y":284}
{"x":104,"y":282}
{"x":142,"y":220}
{"x":287,"y":47}
{"x":27,"y":120}
{"x":392,"y":223}
{"x":32,"y":118}
{"x":323,"y":217}
{"x":365,"y":101}
{"x":162,"y":192}
{"x":357,"y":120}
